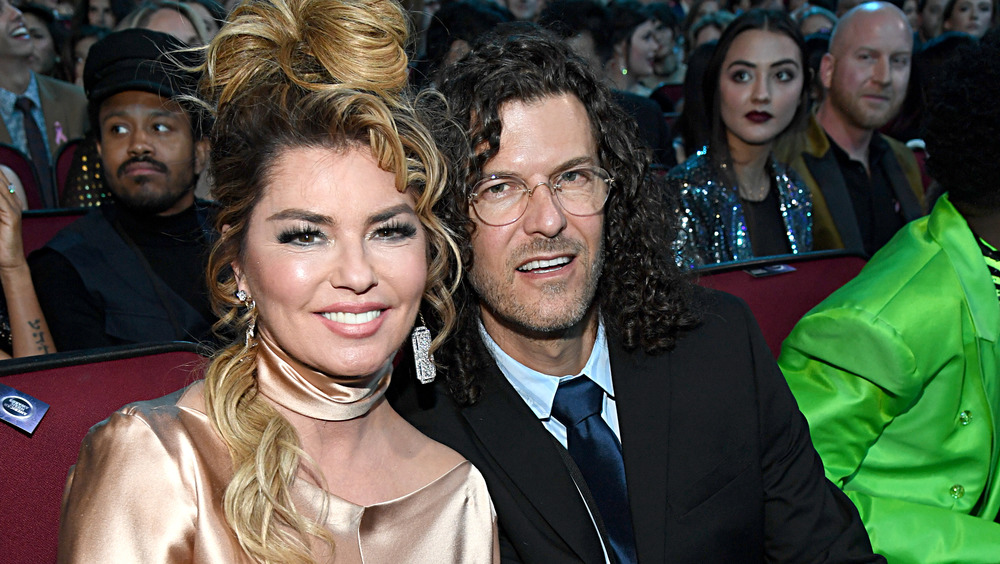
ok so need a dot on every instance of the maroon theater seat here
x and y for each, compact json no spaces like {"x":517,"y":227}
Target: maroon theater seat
{"x":64,"y":163}
{"x":40,"y":226}
{"x":784,"y":288}
{"x":82,"y":389}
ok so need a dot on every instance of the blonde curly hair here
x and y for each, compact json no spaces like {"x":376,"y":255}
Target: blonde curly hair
{"x":286,"y":74}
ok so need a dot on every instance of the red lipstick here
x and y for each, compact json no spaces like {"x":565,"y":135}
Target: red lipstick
{"x":758,"y":117}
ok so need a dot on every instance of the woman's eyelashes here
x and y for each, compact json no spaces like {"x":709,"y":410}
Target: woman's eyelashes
{"x":302,"y":235}
{"x":307,"y":235}
{"x":395,"y":230}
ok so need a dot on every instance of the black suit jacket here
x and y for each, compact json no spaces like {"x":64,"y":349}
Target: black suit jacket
{"x":718,"y":460}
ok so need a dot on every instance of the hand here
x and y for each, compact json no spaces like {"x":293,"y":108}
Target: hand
{"x":11,"y":247}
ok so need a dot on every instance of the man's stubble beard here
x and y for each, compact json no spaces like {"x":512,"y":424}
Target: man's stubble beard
{"x":497,"y":296}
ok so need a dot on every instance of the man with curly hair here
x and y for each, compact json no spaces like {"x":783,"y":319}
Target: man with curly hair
{"x":618,"y":414}
{"x":898,"y":372}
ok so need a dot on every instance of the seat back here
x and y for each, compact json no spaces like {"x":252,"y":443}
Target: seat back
{"x":780,"y":296}
{"x":24,"y":169}
{"x":81,"y":389}
{"x":64,"y":162}
{"x":40,"y":226}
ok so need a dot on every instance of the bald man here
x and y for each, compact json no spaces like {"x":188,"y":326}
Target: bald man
{"x":865,"y":186}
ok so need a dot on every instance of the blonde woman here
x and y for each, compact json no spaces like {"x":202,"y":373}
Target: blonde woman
{"x":287,"y":451}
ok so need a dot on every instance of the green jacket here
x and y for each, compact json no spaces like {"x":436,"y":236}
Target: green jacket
{"x":898,"y":374}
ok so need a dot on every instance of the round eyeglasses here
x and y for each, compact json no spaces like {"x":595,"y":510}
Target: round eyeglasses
{"x":500,"y":200}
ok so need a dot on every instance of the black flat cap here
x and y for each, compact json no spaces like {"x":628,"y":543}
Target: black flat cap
{"x":138,"y":59}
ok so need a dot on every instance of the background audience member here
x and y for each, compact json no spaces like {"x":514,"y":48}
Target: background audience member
{"x":694,"y":125}
{"x":897,"y":372}
{"x":815,"y":19}
{"x":167,"y":16}
{"x":930,"y":18}
{"x":583,"y":24}
{"x":212,"y":15}
{"x":864,"y":185}
{"x":23,"y":330}
{"x":47,"y":44}
{"x":524,"y":10}
{"x":99,"y":13}
{"x":708,"y":28}
{"x":78,"y":46}
{"x":668,"y":64}
{"x":969,"y":16}
{"x":453,"y":29}
{"x":634,"y":46}
{"x":38,"y":113}
{"x":737,"y":202}
{"x":132,"y":270}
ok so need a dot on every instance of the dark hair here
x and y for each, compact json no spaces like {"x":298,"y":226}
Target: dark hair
{"x":644,"y":296}
{"x":694,"y":125}
{"x":464,"y":20}
{"x":775,"y":21}
{"x":625,"y":17}
{"x":963,"y":107}
{"x":665,"y":15}
{"x":567,"y":18}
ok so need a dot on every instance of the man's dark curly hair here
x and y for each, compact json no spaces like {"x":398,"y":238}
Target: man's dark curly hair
{"x":963,"y":108}
{"x":644,"y":297}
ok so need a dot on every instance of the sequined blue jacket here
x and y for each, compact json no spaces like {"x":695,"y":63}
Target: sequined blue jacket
{"x":713,"y":228}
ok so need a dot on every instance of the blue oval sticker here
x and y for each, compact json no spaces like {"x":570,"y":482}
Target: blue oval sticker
{"x":17,"y":407}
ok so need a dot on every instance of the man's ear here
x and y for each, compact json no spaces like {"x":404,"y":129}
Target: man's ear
{"x":201,"y":148}
{"x":826,"y":65}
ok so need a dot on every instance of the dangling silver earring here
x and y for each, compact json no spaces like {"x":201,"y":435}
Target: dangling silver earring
{"x":422,"y":357}
{"x":248,"y":303}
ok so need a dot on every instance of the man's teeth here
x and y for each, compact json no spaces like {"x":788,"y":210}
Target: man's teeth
{"x":352,"y":318}
{"x":542,"y":264}
{"x":19,"y":32}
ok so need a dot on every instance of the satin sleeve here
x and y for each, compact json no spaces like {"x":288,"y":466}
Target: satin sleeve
{"x":126,"y":499}
{"x":853,"y":375}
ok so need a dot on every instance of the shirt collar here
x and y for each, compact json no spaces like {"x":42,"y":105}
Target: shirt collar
{"x":538,"y":390}
{"x":8,"y":98}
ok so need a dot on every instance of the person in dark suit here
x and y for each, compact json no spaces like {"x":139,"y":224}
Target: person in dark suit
{"x":865,"y":186}
{"x":617,"y":413}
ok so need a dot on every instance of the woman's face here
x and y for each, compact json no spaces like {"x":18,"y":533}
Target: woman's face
{"x":43,"y":51}
{"x":335,"y":259}
{"x":971,"y":16}
{"x":99,"y":13}
{"x":760,"y":85}
{"x":642,"y":49}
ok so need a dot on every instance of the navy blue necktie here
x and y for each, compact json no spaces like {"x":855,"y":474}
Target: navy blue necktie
{"x":597,"y":452}
{"x":37,"y":150}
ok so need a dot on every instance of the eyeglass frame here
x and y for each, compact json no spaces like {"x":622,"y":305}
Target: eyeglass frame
{"x":554,"y":187}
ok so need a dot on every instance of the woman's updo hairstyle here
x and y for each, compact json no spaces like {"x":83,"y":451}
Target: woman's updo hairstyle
{"x":280,"y":75}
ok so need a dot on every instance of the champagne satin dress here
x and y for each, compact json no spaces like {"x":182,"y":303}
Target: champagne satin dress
{"x":149,"y":482}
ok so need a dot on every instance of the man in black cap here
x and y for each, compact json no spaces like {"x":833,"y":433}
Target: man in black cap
{"x":133,"y":270}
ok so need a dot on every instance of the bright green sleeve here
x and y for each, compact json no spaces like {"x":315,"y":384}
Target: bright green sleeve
{"x":853,"y":375}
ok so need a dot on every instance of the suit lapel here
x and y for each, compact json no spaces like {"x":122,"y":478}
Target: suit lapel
{"x":827,"y":174}
{"x":642,"y":396}
{"x":526,"y":453}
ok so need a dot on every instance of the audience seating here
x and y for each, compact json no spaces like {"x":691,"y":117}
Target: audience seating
{"x":39,"y":226}
{"x":64,"y":163}
{"x":82,"y":389}
{"x":779,"y":300}
{"x":25,"y":170}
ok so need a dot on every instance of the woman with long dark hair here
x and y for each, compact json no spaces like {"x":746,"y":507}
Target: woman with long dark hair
{"x":737,"y":201}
